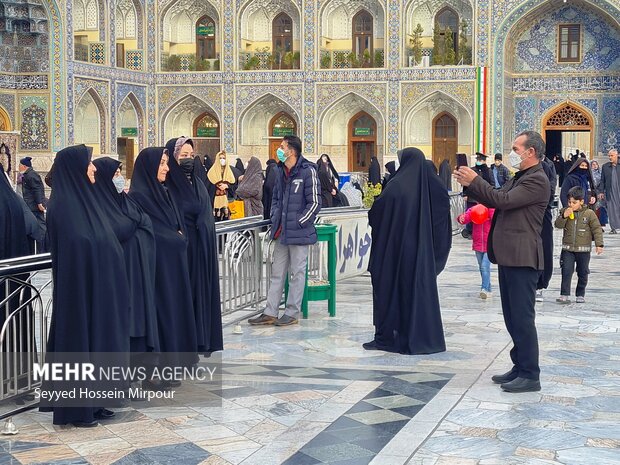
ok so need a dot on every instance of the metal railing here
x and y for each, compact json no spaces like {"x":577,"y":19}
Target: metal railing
{"x":244,"y":255}
{"x":457,"y":207}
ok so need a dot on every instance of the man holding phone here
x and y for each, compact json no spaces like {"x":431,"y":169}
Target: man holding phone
{"x":515,"y":244}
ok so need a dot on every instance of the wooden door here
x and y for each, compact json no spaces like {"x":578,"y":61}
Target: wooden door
{"x":362,"y":141}
{"x":445,"y":139}
{"x":120,"y":55}
{"x":273,"y":147}
{"x":362,"y":151}
{"x":126,"y":154}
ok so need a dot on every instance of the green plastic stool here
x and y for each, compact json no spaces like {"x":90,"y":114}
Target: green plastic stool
{"x":325,"y":233}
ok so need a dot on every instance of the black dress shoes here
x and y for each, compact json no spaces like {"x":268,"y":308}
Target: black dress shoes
{"x":522,"y":385}
{"x":85,"y":424}
{"x":506,"y":377}
{"x":372,"y":345}
{"x":104,"y":414}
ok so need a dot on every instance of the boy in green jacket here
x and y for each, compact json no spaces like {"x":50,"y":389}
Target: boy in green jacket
{"x":580,"y":226}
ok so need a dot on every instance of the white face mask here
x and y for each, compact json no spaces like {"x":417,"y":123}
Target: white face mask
{"x":223,"y":161}
{"x":514,"y":159}
{"x":119,"y":183}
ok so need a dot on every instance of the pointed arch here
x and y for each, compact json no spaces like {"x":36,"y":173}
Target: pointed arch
{"x":89,"y":123}
{"x":178,"y":119}
{"x":253,"y":122}
{"x":418,"y":122}
{"x":5,"y":120}
{"x":135,"y":103}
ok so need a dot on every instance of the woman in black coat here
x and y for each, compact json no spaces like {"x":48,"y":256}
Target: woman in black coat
{"x":90,"y":287}
{"x":271,"y":176}
{"x":374,"y":172}
{"x":173,"y":293}
{"x":190,"y":194}
{"x":411,"y":240}
{"x":134,"y":231}
{"x":579,"y":175}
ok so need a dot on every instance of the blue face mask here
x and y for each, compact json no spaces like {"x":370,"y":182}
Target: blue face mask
{"x":478,"y":163}
{"x":281,"y":155}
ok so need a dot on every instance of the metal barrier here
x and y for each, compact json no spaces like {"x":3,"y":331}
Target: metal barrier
{"x":457,"y":207}
{"x":244,"y":254}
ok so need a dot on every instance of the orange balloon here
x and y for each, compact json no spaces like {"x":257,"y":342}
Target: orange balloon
{"x":479,"y":214}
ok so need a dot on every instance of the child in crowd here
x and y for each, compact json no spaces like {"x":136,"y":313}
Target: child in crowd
{"x":480,"y":235}
{"x":580,"y":226}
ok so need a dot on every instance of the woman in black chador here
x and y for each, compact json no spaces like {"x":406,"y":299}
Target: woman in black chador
{"x":134,"y":230}
{"x":411,"y":240}
{"x":190,"y":194}
{"x":173,"y":293}
{"x":90,"y":289}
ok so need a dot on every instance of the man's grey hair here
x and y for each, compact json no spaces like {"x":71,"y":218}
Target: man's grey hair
{"x":534,"y":140}
{"x":613,"y":151}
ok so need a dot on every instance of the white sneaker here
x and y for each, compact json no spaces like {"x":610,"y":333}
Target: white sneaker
{"x":485,"y":294}
{"x":580,"y":300}
{"x":539,"y":296}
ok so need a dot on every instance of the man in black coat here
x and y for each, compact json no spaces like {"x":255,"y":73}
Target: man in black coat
{"x":34,"y":195}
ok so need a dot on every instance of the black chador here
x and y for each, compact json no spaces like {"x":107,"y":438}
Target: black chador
{"x":90,"y":288}
{"x":134,"y":230}
{"x":411,"y":240}
{"x":190,"y":194}
{"x":173,"y":295}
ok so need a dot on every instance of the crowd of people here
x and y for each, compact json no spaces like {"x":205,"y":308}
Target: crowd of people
{"x":137,"y":271}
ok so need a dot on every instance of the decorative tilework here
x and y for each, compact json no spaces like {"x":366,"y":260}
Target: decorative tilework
{"x":228,"y":118}
{"x":7,"y":101}
{"x":536,"y":48}
{"x":393,"y":133}
{"x":134,"y":59}
{"x":394,"y":34}
{"x":374,"y":93}
{"x":309,"y":123}
{"x":567,"y":84}
{"x":96,"y":52}
{"x":505,"y":17}
{"x":525,"y":112}
{"x":83,"y":84}
{"x":139,"y":92}
{"x":462,"y":92}
{"x":211,"y":95}
{"x":34,"y":125}
{"x":610,"y":132}
{"x":246,"y":95}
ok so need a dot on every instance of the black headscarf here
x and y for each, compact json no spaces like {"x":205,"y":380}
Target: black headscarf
{"x":134,"y":230}
{"x":192,"y":198}
{"x":239,"y":166}
{"x":90,"y":288}
{"x":173,"y":294}
{"x":327,"y":166}
{"x":411,"y":240}
{"x":202,"y":174}
{"x":374,"y":171}
{"x":577,"y":177}
{"x":445,"y":173}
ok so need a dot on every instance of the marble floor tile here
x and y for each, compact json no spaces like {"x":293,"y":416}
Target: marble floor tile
{"x":377,"y":416}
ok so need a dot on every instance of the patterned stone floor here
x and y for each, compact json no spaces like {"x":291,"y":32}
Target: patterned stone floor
{"x":310,"y":394}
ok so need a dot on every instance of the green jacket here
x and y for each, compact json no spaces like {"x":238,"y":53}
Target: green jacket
{"x":579,"y":232}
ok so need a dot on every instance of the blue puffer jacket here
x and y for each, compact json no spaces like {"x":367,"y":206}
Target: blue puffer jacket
{"x":295,"y":203}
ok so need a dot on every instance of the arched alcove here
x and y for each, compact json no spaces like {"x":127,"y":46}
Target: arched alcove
{"x":269,"y":35}
{"x":191,"y":36}
{"x":423,"y":127}
{"x":458,"y":14}
{"x":337,"y":130}
{"x":90,"y":122}
{"x":128,"y":34}
{"x":346,"y":29}
{"x":89,"y":38}
{"x":256,"y":125}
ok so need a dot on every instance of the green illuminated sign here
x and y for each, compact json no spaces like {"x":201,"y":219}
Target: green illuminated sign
{"x":206,"y":132}
{"x":361,"y":131}
{"x":281,"y":132}
{"x":129,"y":132}
{"x":205,"y":31}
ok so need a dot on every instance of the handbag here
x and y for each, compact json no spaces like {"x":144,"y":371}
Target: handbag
{"x":237,"y":209}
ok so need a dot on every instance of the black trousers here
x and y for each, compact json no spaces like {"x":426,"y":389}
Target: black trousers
{"x":41,"y":245}
{"x":567,"y":262}
{"x":547,"y":240}
{"x":517,"y":286}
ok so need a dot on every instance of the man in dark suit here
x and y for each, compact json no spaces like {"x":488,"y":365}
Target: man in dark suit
{"x":34,"y":195}
{"x":515,"y":244}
